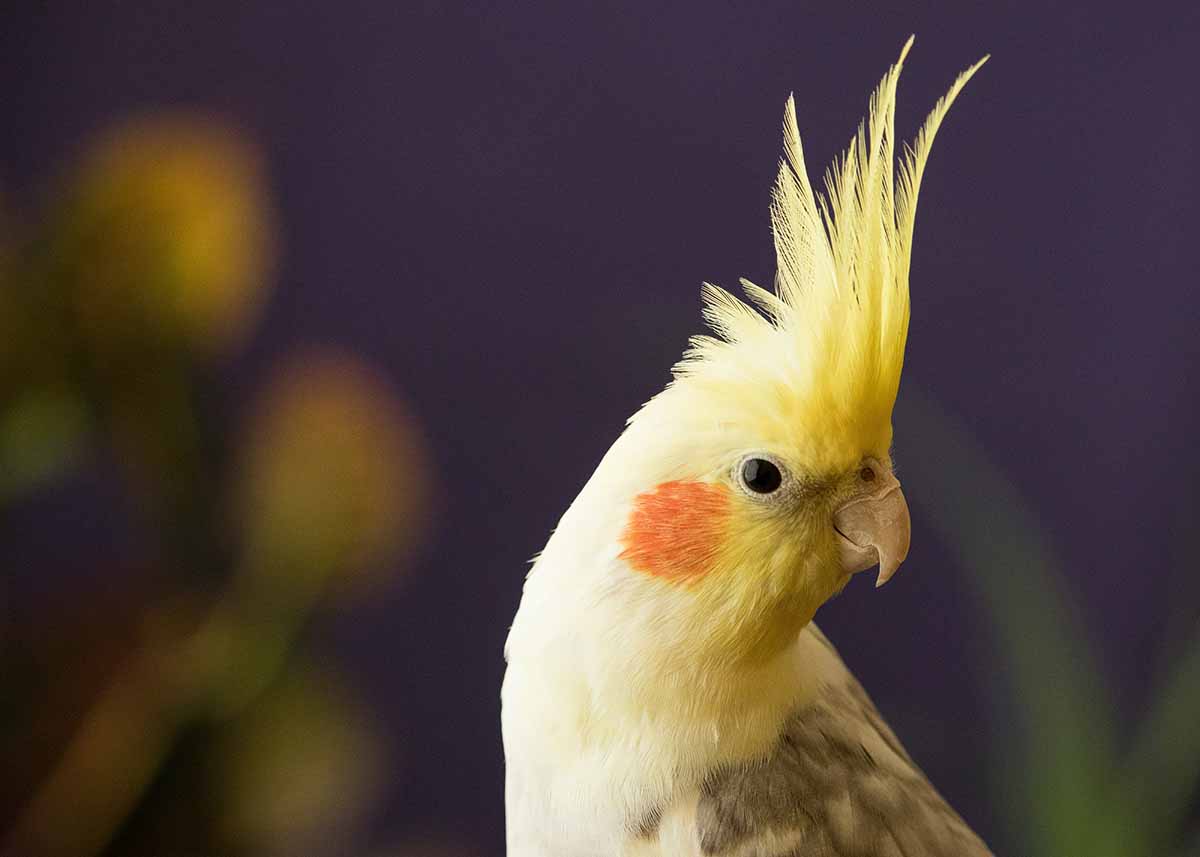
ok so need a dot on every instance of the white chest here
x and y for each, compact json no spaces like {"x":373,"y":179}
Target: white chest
{"x":588,"y":769}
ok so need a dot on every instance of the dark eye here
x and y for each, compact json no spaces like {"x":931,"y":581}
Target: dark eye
{"x":761,"y":476}
{"x":867,"y":474}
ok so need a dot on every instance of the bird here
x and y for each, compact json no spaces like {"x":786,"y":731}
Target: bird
{"x":667,"y":692}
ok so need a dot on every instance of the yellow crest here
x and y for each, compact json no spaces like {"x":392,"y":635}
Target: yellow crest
{"x":830,"y":340}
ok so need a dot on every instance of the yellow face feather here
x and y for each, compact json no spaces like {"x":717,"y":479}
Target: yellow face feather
{"x":809,"y":378}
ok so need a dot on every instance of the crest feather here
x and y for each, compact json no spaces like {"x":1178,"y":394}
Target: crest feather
{"x":837,"y":320}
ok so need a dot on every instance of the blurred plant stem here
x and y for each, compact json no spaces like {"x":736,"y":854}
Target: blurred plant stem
{"x":170,"y":682}
{"x":154,"y":262}
{"x":41,"y":433}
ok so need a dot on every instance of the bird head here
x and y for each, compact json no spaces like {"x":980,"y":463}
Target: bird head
{"x":761,"y":479}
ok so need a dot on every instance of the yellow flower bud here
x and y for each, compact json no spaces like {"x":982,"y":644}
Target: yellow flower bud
{"x":332,"y":473}
{"x":167,"y":235}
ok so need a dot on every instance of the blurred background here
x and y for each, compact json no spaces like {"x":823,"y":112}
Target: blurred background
{"x":313,"y":320}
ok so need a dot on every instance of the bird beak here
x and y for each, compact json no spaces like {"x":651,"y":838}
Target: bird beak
{"x":874,"y":528}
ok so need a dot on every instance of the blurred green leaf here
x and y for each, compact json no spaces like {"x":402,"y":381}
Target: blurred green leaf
{"x":1163,"y":769}
{"x":1071,"y":802}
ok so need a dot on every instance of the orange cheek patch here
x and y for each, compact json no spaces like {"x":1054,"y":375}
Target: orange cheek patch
{"x":676,"y":529}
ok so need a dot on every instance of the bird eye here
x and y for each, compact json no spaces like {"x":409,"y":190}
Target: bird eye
{"x":761,"y":476}
{"x":867,"y":474}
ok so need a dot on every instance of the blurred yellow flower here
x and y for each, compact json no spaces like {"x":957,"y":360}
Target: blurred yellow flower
{"x":167,"y":234}
{"x":332,"y":473}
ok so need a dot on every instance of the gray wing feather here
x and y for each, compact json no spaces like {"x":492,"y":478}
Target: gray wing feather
{"x":824,"y":793}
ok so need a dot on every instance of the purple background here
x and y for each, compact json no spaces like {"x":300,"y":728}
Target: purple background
{"x":510,"y":208}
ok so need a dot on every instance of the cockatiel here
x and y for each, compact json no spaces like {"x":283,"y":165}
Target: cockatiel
{"x":667,"y":692}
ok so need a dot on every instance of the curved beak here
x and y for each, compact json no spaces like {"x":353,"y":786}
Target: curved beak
{"x":874,"y":528}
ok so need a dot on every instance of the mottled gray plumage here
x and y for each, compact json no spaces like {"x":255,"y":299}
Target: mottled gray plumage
{"x":839,"y":784}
